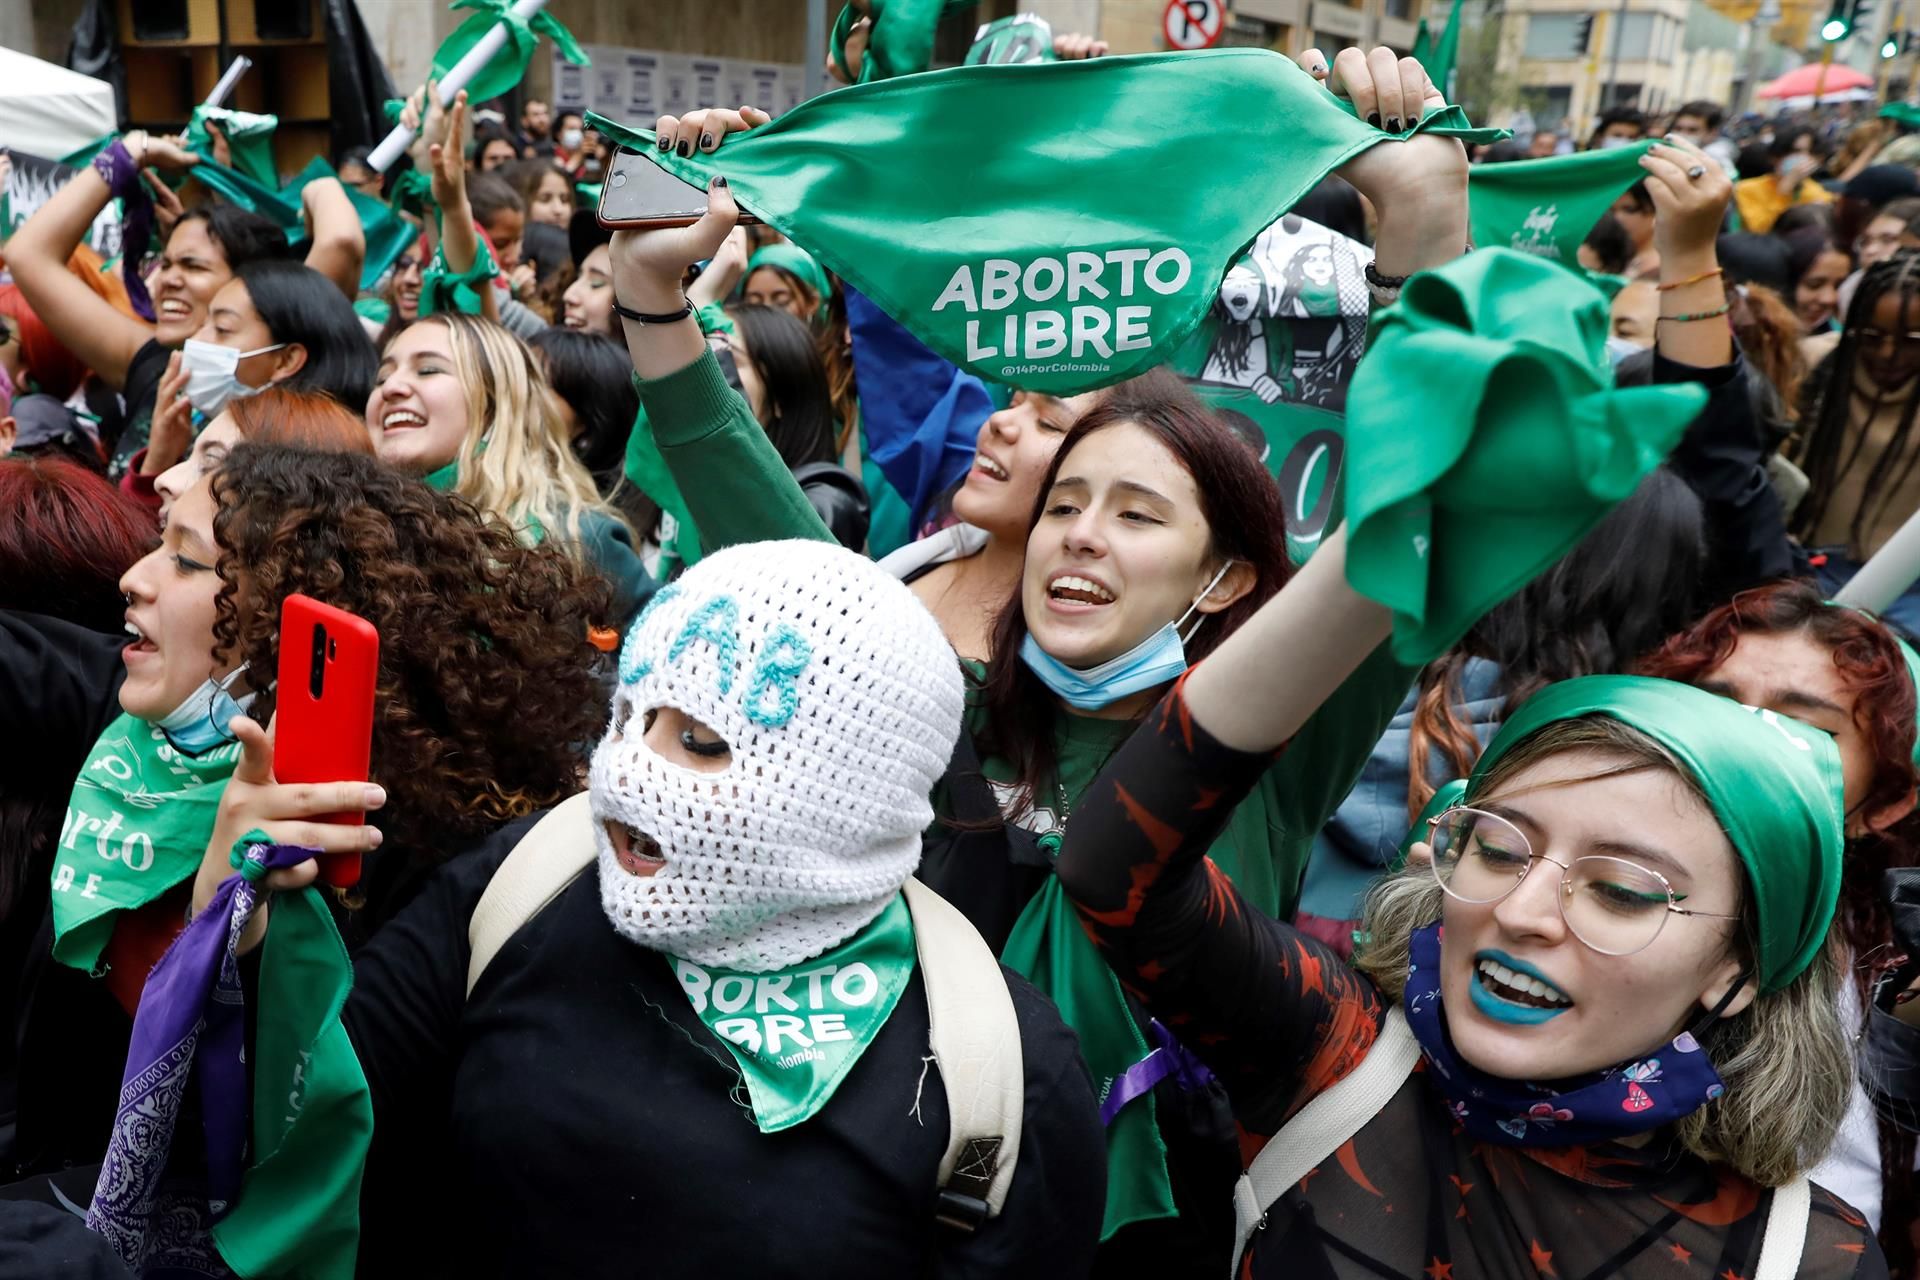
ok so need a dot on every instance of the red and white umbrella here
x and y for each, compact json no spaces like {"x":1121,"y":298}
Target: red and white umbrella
{"x":1826,"y":79}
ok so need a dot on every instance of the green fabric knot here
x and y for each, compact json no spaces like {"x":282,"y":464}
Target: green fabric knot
{"x":443,"y":289}
{"x":1485,"y":437}
{"x":505,"y":68}
{"x":412,"y":192}
{"x":251,"y":868}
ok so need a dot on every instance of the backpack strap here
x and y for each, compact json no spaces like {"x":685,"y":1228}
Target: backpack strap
{"x":976,"y":1044}
{"x":1321,"y":1127}
{"x":1786,"y":1235}
{"x":548,"y":859}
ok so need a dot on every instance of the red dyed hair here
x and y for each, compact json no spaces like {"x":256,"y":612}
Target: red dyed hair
{"x":1884,"y":707}
{"x":301,"y":420}
{"x":66,"y":536}
{"x":56,"y":370}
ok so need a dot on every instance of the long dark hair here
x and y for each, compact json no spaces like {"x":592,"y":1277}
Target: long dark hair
{"x":243,"y":235}
{"x":1634,"y":580}
{"x":1246,"y":521}
{"x":593,"y":374}
{"x":1830,"y":445}
{"x":298,"y":304}
{"x":487,"y":688}
{"x":800,"y":410}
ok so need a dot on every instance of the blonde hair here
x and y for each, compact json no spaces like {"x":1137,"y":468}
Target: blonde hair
{"x":516,"y":461}
{"x":1785,"y":1059}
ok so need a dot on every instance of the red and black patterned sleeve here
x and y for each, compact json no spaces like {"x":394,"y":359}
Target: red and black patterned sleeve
{"x":1276,"y":1015}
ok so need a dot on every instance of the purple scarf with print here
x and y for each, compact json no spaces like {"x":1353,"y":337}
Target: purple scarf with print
{"x":1633,"y":1098}
{"x":191,"y":1024}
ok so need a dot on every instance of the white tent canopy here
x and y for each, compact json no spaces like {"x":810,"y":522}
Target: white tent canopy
{"x":49,"y":111}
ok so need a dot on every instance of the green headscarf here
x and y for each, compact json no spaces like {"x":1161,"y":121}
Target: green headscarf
{"x":1905,"y":113}
{"x":796,"y":262}
{"x":249,"y":140}
{"x":1773,"y":783}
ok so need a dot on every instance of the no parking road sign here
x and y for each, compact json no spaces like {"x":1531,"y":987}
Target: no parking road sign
{"x":1193,"y":24}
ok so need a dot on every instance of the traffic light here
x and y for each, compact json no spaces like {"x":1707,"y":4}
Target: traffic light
{"x":1582,"y":34}
{"x":1844,"y":18}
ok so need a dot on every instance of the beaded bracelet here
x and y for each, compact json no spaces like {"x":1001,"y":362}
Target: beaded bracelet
{"x":1681,"y":284}
{"x":1720,"y":310}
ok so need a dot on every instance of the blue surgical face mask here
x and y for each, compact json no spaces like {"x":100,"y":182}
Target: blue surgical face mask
{"x":1619,"y":349}
{"x":199,"y":724}
{"x":1159,"y":658}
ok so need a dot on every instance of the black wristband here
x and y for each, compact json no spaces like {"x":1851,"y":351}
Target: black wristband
{"x":640,"y":317}
{"x":1374,"y":277}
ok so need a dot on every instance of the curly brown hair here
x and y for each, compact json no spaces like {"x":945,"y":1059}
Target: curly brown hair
{"x":488,"y":695}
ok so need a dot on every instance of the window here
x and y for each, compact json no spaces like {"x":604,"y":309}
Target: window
{"x":1635,"y":34}
{"x":1398,"y":8}
{"x":1554,"y":35}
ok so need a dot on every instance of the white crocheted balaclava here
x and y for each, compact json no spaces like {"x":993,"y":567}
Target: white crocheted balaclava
{"x":840,"y":700}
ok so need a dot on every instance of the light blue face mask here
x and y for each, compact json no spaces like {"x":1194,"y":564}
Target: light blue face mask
{"x":1159,"y":658}
{"x":1619,"y":349}
{"x":199,"y":724}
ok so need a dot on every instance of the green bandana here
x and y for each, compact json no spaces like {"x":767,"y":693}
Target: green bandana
{"x":1053,"y":285}
{"x":1012,"y":41}
{"x":249,"y":140}
{"x":900,"y":41}
{"x":1485,"y":438}
{"x":443,"y":478}
{"x":1773,"y":782}
{"x":508,"y":66}
{"x":386,"y":233}
{"x":412,"y":192}
{"x":1049,"y":947}
{"x":1547,"y":207}
{"x":443,"y":289}
{"x":797,"y":1032}
{"x":1905,"y":113}
{"x":137,"y":825}
{"x":798,"y":263}
{"x":298,"y":1212}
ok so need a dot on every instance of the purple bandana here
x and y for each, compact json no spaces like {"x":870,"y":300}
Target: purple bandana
{"x":116,"y":168}
{"x":190,"y":1025}
{"x":1633,"y":1098}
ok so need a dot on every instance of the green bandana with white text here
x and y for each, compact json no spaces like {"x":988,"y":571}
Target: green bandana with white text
{"x":1546,"y":207}
{"x":797,"y":1032}
{"x":137,"y":824}
{"x":1098,"y":207}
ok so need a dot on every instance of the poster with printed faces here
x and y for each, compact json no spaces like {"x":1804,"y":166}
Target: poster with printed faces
{"x":607,"y":82}
{"x":763,"y":87}
{"x":676,"y":85}
{"x":639,"y":85}
{"x":570,"y":84}
{"x":1274,"y":355}
{"x":32,"y":182}
{"x":707,"y":76}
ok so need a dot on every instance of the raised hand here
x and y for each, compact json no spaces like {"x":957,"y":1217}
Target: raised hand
{"x":705,"y":129}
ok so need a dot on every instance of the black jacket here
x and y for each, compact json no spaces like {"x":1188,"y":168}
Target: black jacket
{"x":839,"y":499}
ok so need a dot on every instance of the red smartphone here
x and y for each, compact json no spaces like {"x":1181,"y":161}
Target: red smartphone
{"x":323,"y":708}
{"x":639,"y":193}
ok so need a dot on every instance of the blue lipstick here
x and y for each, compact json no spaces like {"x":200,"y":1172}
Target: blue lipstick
{"x":1499,"y":1008}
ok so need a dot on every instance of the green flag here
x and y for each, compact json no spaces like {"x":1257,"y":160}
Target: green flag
{"x":1012,"y":42}
{"x":1546,"y":207}
{"x":1098,"y":208}
{"x":1485,"y":437}
{"x":387,"y":234}
{"x":1439,"y":59}
{"x":506,"y":68}
{"x":249,"y":140}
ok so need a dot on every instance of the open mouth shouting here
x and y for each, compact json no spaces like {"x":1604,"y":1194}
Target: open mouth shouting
{"x":1508,"y":990}
{"x":633,"y":849}
{"x":141,"y":646}
{"x":172,"y":309}
{"x":1070,"y":592}
{"x":988,"y":467}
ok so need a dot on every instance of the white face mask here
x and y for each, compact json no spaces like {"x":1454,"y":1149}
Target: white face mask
{"x":213,"y":376}
{"x":570,"y":138}
{"x":1609,"y":143}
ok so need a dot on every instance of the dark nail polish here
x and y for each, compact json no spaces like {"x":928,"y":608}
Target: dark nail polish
{"x":719,"y":180}
{"x":685,"y":149}
{"x":1393,"y":124}
{"x":706,"y":142}
{"x":1373,"y":118}
{"x":666,"y":143}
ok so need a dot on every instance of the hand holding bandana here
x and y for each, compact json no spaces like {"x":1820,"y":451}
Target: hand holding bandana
{"x":1101,"y":205}
{"x":1485,"y":437}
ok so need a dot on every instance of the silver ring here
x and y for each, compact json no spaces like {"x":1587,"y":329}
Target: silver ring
{"x":1697,"y":171}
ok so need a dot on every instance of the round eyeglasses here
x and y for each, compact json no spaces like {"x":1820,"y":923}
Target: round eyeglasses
{"x":1612,"y":905}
